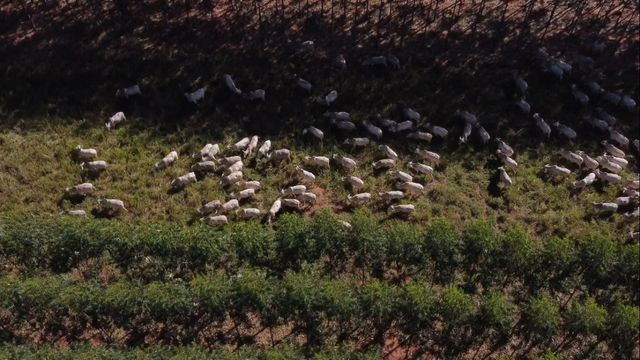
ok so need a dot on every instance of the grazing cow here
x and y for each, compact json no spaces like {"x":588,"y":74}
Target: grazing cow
{"x":242,"y":144}
{"x":112,"y":205}
{"x":243,"y":194}
{"x":305,"y":175}
{"x":345,"y":162}
{"x":294,"y":190}
{"x":263,"y":151}
{"x":388,"y":152}
{"x":114,"y":120}
{"x":210,"y":207}
{"x":607,"y":177}
{"x":208,"y":152}
{"x":83,"y":189}
{"x":253,"y":144}
{"x":318,"y":161}
{"x":428,"y":155}
{"x":420,"y":135}
{"x":231,"y":85}
{"x":401,"y":175}
{"x":504,"y":147}
{"x":273,"y":211}
{"x":357,"y":142}
{"x":391,"y":195}
{"x":166,"y":161}
{"x":556,"y":172}
{"x":317,"y":133}
{"x":605,"y":208}
{"x":405,"y":209}
{"x":587,"y":180}
{"x":229,"y":205}
{"x":420,"y":168}
{"x":355,"y":182}
{"x":248,"y":213}
{"x":504,"y":177}
{"x":359,"y":199}
{"x":383,"y":164}
{"x":231,"y":179}
{"x":411,"y":187}
{"x":542,"y":125}
{"x":204,"y":167}
{"x":94,"y":166}
{"x":182,"y":181}
{"x":196,"y":96}
{"x":129,"y":91}
{"x":215,"y":220}
{"x":84,"y":154}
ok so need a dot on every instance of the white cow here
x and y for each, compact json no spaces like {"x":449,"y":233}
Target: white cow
{"x":208,"y":152}
{"x":428,"y":155}
{"x":401,"y":175}
{"x":114,"y":120}
{"x":196,"y":96}
{"x":231,"y":179}
{"x":166,"y":161}
{"x":83,"y":189}
{"x":556,"y":172}
{"x":94,"y":166}
{"x":248,"y":213}
{"x":84,"y":154}
{"x":210,"y":207}
{"x":305,"y":175}
{"x":388,"y":152}
{"x":384,"y":164}
{"x":359,"y":199}
{"x":129,"y":91}
{"x":587,"y":180}
{"x":204,"y":167}
{"x":318,"y":161}
{"x":405,"y":209}
{"x":420,"y":168}
{"x":215,"y":220}
{"x":355,"y":182}
{"x":182,"y":181}
{"x":345,"y":162}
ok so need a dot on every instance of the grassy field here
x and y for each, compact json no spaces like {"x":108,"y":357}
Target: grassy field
{"x":37,"y":166}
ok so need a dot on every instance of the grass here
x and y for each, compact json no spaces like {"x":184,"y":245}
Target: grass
{"x":33,"y":179}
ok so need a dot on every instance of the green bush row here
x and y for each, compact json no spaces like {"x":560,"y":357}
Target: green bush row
{"x":319,"y":308}
{"x":281,"y":352}
{"x":477,"y":253}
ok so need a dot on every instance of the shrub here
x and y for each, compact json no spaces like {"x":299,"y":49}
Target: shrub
{"x":542,"y":318}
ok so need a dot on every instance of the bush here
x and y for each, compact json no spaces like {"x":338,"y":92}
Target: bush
{"x":586,"y":319}
{"x":444,"y":246}
{"x":542,"y":318}
{"x":456,"y":308}
{"x":496,"y":313}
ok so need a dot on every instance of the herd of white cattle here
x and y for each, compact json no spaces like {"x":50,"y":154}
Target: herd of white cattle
{"x":229,"y":166}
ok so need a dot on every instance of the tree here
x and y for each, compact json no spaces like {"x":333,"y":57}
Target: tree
{"x":515,"y":254}
{"x":418,"y":307}
{"x":496,"y":314}
{"x":293,"y":243}
{"x":586,"y":319}
{"x":554,"y":263}
{"x":480,"y":244}
{"x":541,"y":318}
{"x":597,"y":258}
{"x":457,"y":311}
{"x":378,"y":305}
{"x":443,"y":244}
{"x":368,"y":242}
{"x":623,"y":330}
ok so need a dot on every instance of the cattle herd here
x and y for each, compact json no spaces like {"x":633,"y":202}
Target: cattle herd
{"x":228,"y":163}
